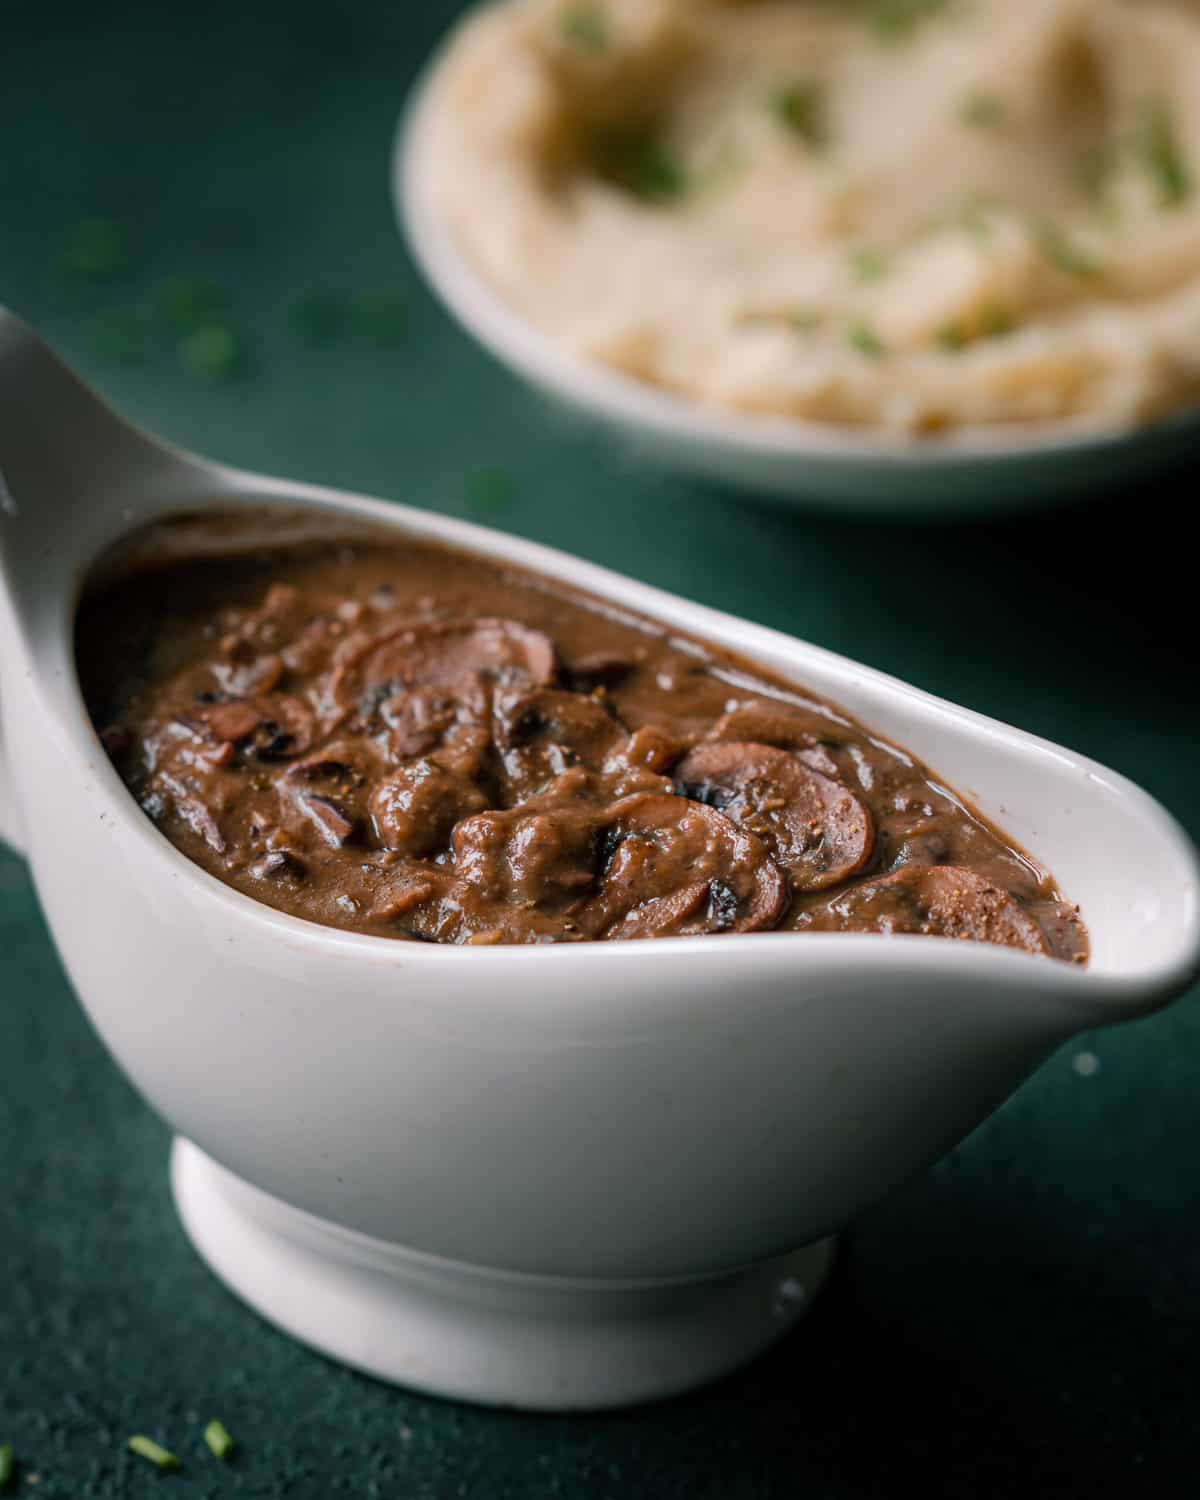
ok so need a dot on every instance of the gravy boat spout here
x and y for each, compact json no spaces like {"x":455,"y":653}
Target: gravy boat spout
{"x":556,"y":1177}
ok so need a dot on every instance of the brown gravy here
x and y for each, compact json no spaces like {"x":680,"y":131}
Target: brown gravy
{"x":400,"y":739}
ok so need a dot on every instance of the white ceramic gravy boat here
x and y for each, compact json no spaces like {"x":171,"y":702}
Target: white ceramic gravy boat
{"x":547,"y":1177}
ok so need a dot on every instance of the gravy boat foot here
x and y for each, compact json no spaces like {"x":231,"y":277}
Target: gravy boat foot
{"x":462,"y":1331}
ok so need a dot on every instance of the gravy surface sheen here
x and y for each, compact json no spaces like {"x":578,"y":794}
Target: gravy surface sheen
{"x":403,"y":740}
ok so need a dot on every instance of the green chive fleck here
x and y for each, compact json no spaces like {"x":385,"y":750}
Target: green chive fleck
{"x":994,"y":322}
{"x":983,"y":111}
{"x":952,"y":337}
{"x":868,"y":264}
{"x":120,"y":334}
{"x":799,"y":319}
{"x":1157,"y":149}
{"x":190,"y":302}
{"x":213,"y":352}
{"x":804,"y":319}
{"x":319,"y":318}
{"x":862,"y":336}
{"x":96,"y":250}
{"x":1096,"y":168}
{"x":153,"y":1453}
{"x":586,"y":26}
{"x":726,"y":166}
{"x":1064,"y":254}
{"x":997,"y":323}
{"x":897,"y":20}
{"x":216,"y":1435}
{"x":490,"y":489}
{"x":800,"y":108}
{"x":643,"y":166}
{"x":976,"y":220}
{"x":8,"y":1465}
{"x":380,"y":318}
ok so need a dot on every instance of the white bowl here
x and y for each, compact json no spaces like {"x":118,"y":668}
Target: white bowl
{"x":971,"y":471}
{"x":547,"y":1177}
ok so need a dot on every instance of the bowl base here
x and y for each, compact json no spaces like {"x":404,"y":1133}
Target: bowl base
{"x":472,"y":1334}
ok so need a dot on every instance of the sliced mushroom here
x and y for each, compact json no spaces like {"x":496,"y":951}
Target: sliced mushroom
{"x":260,"y":674}
{"x":673,"y":867}
{"x":817,"y":829}
{"x":686,"y":911}
{"x":338,"y":759}
{"x":231,"y":722}
{"x":544,"y":733}
{"x":415,"y":808}
{"x":280,"y":724}
{"x":600,"y":669}
{"x":542,"y":858}
{"x":579,"y":724}
{"x":327,"y":817}
{"x":763,"y":722}
{"x":443,"y":654}
{"x":287,"y":726}
{"x":279,"y":865}
{"x":417,"y":720}
{"x":402,"y":894}
{"x":194,"y":812}
{"x":652,"y":749}
{"x":940,"y":901}
{"x":466,"y":751}
{"x":640,"y":763}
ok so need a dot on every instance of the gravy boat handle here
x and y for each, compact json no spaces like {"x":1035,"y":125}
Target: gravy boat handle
{"x":72,"y":474}
{"x":10,"y":821}
{"x":65,"y":454}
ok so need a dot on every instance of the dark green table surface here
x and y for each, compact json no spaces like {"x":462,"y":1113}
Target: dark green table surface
{"x":1025,"y":1320}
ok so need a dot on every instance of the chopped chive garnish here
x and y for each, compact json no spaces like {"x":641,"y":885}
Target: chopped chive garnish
{"x":952,"y":337}
{"x":800,"y":108}
{"x":993,"y":323}
{"x":490,"y":489}
{"x":587,"y":27}
{"x":8,"y":1465}
{"x":96,"y":250}
{"x":723,"y":170}
{"x":804,"y":319}
{"x":319,"y":318}
{"x":983,"y":111}
{"x":801,"y":319}
{"x":868,"y":264}
{"x":189,"y":302}
{"x":213,"y":352}
{"x":380,"y":318}
{"x":216,"y":1435}
{"x":1096,"y":169}
{"x":153,"y":1452}
{"x":997,"y":321}
{"x":120,"y":334}
{"x":1064,"y":254}
{"x":862,"y":336}
{"x":1157,"y":149}
{"x":976,"y":220}
{"x":896,"y":20}
{"x":643,"y":166}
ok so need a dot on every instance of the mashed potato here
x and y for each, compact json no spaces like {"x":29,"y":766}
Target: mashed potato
{"x":909,"y":214}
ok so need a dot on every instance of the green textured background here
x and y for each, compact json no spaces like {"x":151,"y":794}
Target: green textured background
{"x":1025,"y":1320}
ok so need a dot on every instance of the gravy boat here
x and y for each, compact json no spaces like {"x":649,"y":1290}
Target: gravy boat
{"x":561,"y":1177}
